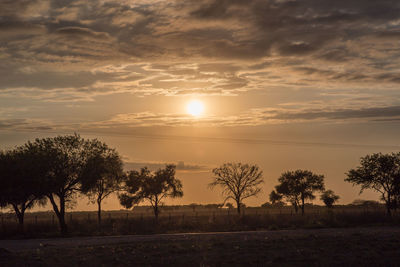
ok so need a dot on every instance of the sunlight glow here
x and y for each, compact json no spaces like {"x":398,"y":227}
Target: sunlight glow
{"x":195,"y":108}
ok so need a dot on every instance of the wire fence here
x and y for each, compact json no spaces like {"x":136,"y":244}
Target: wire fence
{"x":142,"y":221}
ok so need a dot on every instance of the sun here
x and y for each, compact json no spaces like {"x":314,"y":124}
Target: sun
{"x":195,"y":108}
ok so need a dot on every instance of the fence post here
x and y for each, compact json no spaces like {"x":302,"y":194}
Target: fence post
{"x":35,"y":219}
{"x":70,"y":217}
{"x":88,"y":217}
{"x":52,"y":219}
{"x":183,"y":218}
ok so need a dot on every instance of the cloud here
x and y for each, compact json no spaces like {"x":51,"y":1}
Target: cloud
{"x":69,"y":51}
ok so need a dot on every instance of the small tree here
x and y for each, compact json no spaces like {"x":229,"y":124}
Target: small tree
{"x":380,"y":172}
{"x":102,"y":174}
{"x":239,"y":181}
{"x":329,"y":198}
{"x":298,"y":186}
{"x":153,"y":187}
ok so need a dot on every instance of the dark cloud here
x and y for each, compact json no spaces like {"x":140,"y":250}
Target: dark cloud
{"x":339,"y":114}
{"x":82,"y":32}
{"x":271,"y":42}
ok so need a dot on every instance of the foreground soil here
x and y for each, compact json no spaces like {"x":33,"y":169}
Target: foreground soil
{"x":375,"y":246}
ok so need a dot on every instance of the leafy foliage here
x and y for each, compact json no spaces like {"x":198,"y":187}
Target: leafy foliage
{"x":65,"y":160}
{"x":380,"y":172}
{"x":153,"y":187}
{"x":298,"y":186}
{"x":18,"y":186}
{"x":102,"y":174}
{"x":329,"y":198}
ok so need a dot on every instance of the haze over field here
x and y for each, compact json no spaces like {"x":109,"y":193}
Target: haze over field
{"x":287,"y":85}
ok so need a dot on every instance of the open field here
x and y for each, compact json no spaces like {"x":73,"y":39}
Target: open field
{"x":373,"y":246}
{"x":175,"y":220}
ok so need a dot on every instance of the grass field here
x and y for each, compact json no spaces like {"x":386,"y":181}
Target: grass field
{"x":178,"y":219}
{"x":374,"y":246}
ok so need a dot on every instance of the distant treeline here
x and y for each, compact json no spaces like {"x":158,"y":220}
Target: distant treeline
{"x":57,"y":169}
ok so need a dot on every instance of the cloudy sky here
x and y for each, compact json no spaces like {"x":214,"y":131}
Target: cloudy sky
{"x":285,"y":84}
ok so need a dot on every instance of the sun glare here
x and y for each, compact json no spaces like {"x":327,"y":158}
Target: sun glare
{"x":195,"y":108}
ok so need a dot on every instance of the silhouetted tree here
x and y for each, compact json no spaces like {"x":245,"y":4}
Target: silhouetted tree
{"x":154,"y":187}
{"x":64,"y":158}
{"x":380,"y":172}
{"x":275,"y":197}
{"x":103,"y":174}
{"x":18,"y":188}
{"x":298,"y":186}
{"x":329,"y":198}
{"x":239,"y":181}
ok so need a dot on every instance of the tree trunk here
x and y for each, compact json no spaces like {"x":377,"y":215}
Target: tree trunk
{"x":63,"y":225}
{"x":156,"y":211}
{"x":302,"y":205}
{"x":238,"y":206}
{"x":20,"y":216}
{"x":389,"y":205}
{"x":60,"y":213}
{"x":296,"y":208}
{"x":388,"y":209}
{"x":99,"y":212}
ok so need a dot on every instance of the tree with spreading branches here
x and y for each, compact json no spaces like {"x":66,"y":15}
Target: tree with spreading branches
{"x":151,"y":186}
{"x":298,"y":186}
{"x":238,"y":181}
{"x":380,"y":172}
{"x":64,"y":159}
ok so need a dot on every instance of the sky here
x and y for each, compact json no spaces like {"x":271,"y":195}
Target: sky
{"x":284,"y":84}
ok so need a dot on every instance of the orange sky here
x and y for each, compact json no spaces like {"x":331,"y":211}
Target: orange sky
{"x":285,"y":84}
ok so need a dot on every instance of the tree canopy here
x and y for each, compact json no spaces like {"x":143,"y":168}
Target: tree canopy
{"x":102,"y":174}
{"x":380,"y":172}
{"x":298,"y":186}
{"x":151,"y":186}
{"x":329,"y":198}
{"x":19,"y":188}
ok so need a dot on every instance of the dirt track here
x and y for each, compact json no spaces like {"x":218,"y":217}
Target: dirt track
{"x":32,"y":244}
{"x":373,"y":246}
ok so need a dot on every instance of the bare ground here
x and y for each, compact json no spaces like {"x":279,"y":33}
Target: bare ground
{"x":370,"y":246}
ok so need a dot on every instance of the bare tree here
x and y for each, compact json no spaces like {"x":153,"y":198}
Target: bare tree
{"x":153,"y":187}
{"x":239,"y":181}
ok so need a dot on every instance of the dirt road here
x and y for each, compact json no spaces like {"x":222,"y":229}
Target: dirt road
{"x":31,"y":244}
{"x":372,"y":246}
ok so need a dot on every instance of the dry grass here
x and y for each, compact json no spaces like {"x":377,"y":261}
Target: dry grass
{"x":141,"y":221}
